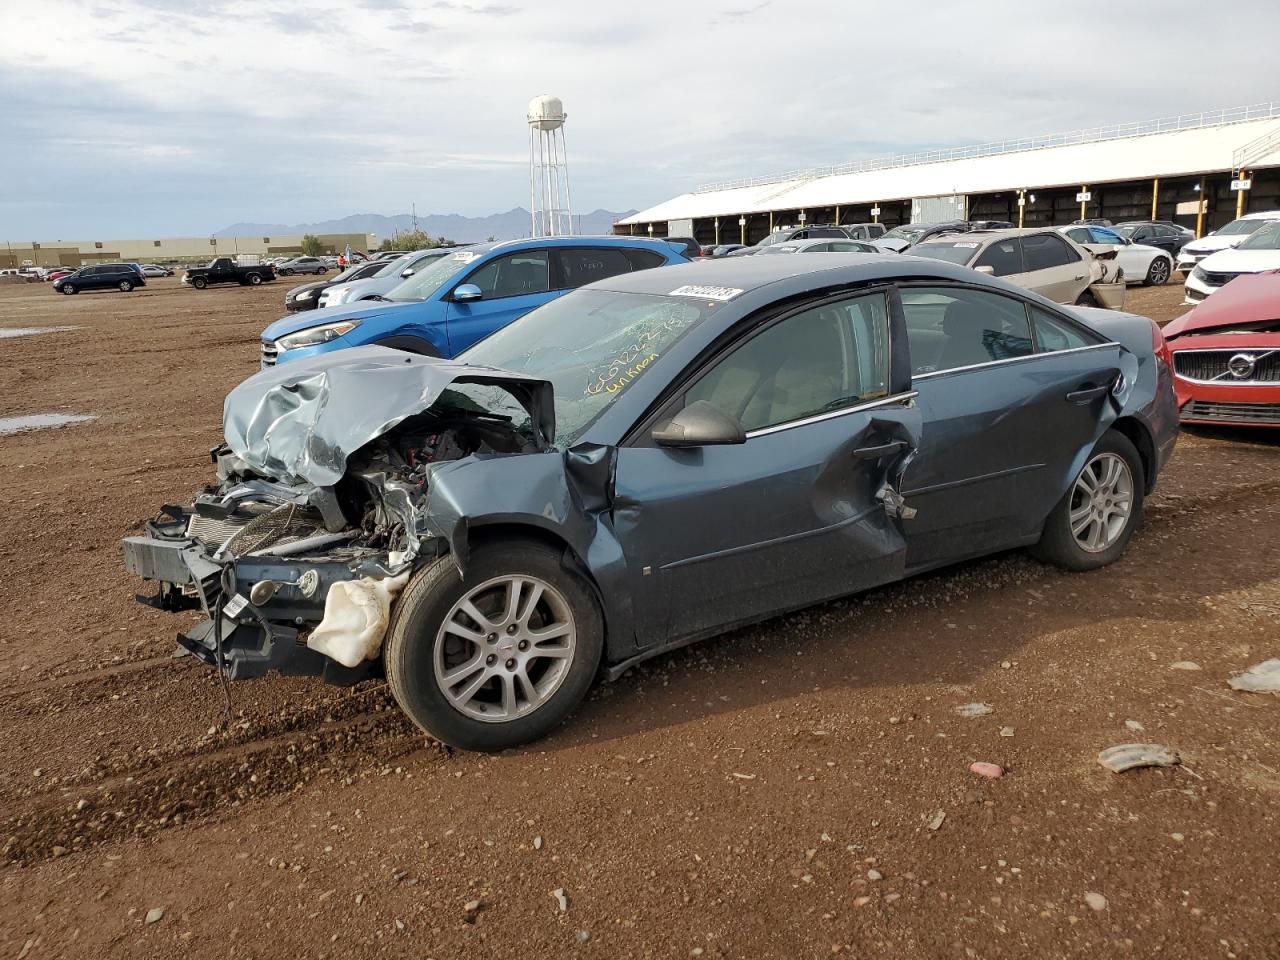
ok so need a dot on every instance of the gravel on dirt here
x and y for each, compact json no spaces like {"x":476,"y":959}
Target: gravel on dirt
{"x":744,"y":798}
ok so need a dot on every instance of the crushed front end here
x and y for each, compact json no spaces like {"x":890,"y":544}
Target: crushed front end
{"x":322,"y":507}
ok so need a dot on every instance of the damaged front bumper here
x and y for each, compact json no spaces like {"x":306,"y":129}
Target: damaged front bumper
{"x":243,"y":637}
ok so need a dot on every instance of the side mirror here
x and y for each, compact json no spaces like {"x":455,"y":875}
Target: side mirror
{"x":699,"y":425}
{"x":466,"y":292}
{"x":989,"y":271}
{"x":408,"y":272}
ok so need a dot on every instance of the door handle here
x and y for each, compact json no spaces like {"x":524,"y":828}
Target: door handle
{"x":1085,"y":394}
{"x":1080,"y":277}
{"x":883,"y":450}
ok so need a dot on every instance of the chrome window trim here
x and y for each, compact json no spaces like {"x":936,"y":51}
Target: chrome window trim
{"x":996,"y":363}
{"x":897,"y":398}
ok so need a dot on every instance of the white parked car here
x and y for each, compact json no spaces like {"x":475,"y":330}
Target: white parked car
{"x":1143,"y":264}
{"x":1233,"y":234}
{"x":1259,"y":252}
{"x":155,"y":270}
{"x":371,"y":288}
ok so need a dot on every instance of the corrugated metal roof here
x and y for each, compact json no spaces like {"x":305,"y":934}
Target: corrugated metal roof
{"x":1178,"y":152}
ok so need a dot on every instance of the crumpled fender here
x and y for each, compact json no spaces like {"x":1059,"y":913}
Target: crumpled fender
{"x":1119,"y":401}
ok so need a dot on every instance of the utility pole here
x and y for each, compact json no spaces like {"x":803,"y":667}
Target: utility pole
{"x":415,"y":217}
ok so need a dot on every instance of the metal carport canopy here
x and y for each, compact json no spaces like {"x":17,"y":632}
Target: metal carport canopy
{"x":1171,"y":154}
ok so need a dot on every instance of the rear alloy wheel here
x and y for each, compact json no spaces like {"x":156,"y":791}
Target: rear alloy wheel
{"x":125,"y":286}
{"x":499,"y":657}
{"x":1158,"y":272}
{"x":255,"y":279}
{"x":1091,"y":526}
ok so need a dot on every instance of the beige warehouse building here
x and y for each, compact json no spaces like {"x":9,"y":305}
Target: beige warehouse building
{"x":73,"y":253}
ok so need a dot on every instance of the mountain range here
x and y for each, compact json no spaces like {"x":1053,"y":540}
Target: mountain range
{"x":501,"y":226}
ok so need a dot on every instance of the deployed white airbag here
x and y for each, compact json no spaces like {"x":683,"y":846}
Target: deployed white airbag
{"x":356,"y":614}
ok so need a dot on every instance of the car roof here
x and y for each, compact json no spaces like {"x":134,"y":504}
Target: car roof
{"x":747,"y":274}
{"x":1004,"y":233}
{"x":605,"y":240}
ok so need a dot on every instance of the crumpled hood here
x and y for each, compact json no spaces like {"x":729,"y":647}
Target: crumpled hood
{"x":1248,"y":299}
{"x":300,"y":421}
{"x":892,"y":244}
{"x":314,"y":318}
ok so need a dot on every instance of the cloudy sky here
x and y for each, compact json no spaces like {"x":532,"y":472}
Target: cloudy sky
{"x":148,"y":118}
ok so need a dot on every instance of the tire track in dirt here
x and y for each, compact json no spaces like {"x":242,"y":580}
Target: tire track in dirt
{"x":226,"y":771}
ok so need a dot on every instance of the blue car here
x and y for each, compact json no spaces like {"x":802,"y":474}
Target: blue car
{"x":463,"y":297}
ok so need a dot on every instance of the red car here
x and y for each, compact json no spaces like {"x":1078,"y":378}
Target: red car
{"x":1226,"y":354}
{"x":60,"y":273}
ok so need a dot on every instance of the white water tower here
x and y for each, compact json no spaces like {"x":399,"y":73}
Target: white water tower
{"x":550,"y":200}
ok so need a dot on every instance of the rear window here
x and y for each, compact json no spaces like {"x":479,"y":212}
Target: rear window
{"x":953,"y":251}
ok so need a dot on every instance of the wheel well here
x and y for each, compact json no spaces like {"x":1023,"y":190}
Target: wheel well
{"x":410,"y":344}
{"x":1138,"y":435}
{"x":506,"y":532}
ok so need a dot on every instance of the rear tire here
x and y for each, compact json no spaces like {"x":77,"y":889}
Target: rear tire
{"x":1158,"y":273}
{"x":1094,"y":521}
{"x":199,"y":283}
{"x":255,"y":279}
{"x":1087,"y":299}
{"x":420,"y":653}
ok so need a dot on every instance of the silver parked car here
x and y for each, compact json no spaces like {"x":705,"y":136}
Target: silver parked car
{"x":376,"y":286}
{"x":1044,"y":260}
{"x":302,"y":265}
{"x":820,"y":246}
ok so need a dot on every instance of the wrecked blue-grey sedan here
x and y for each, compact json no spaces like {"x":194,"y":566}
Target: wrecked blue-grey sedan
{"x":646,"y":461}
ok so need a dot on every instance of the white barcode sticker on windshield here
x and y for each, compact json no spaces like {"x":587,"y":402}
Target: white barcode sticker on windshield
{"x":464,"y":256}
{"x":702,"y":292}
{"x":235,"y":606}
{"x":968,"y":245}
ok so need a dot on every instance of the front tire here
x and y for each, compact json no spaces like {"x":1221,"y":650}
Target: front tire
{"x":1087,"y":299}
{"x":1094,"y":521}
{"x":69,"y":289}
{"x":497,"y":658}
{"x":125,"y":286}
{"x":1158,"y":273}
{"x":199,"y":282}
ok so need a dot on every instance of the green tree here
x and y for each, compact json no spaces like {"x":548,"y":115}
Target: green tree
{"x":311,"y":245}
{"x":413,"y":240}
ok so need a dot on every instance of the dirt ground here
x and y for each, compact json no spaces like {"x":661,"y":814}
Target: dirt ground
{"x":773,"y":793}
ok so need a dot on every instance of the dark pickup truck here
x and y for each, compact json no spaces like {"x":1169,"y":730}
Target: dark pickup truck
{"x":226,"y":270}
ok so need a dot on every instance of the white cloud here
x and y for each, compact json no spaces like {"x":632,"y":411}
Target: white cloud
{"x":292,"y":112}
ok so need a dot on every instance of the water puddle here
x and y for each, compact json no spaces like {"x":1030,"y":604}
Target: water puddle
{"x":40,"y":421}
{"x":30,"y":331}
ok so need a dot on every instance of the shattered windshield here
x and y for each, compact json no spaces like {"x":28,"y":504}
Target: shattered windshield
{"x":903,"y":233}
{"x":591,"y":345}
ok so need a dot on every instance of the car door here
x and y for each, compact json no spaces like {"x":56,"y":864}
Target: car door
{"x":510,"y":286}
{"x":1053,"y":268}
{"x":719,"y":535}
{"x":1007,"y":415}
{"x":98,"y":278}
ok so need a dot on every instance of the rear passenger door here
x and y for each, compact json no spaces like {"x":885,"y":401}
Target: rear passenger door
{"x":510,"y":286}
{"x":1053,"y":268}
{"x":1009,"y":415}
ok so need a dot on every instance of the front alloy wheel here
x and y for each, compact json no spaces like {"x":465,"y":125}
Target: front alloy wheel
{"x":499,"y":657}
{"x":505,"y":648}
{"x":1158,"y":272}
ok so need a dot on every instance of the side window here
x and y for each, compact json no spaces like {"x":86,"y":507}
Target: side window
{"x":1004,"y":257}
{"x":819,"y":248}
{"x":1044,"y":250}
{"x":844,"y":246}
{"x":949,"y":327}
{"x":822,"y":359}
{"x":580,"y":265}
{"x":825,"y":232}
{"x":514,"y":275}
{"x":799,"y":235}
{"x":1053,"y":335}
{"x":1143,"y":233}
{"x":643,"y":259}
{"x":1081,"y":235}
